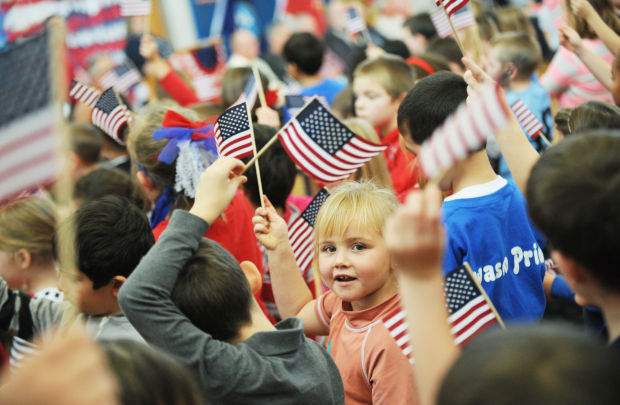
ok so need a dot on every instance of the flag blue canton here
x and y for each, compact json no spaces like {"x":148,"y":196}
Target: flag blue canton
{"x":460,"y":289}
{"x":311,"y":212}
{"x":107,"y":102}
{"x":233,"y":121}
{"x":323,"y":128}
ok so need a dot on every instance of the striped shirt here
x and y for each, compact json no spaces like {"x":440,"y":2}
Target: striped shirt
{"x":568,"y":79}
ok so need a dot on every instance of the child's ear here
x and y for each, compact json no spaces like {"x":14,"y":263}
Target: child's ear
{"x":144,"y":180}
{"x":117,"y":283}
{"x":576,"y":276}
{"x":253,"y":275}
{"x":23,"y":258}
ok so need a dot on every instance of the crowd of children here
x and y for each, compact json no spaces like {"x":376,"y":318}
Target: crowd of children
{"x":177,"y":261}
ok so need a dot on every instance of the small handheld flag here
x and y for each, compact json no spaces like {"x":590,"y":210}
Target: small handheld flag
{"x":249,"y":93}
{"x":451,"y":6}
{"x":464,"y":131}
{"x":301,"y":232}
{"x":528,"y":121}
{"x":323,"y":146}
{"x":110,"y":115}
{"x":396,"y":324}
{"x":461,"y":20}
{"x":83,"y":93}
{"x":233,"y":135}
{"x":131,"y":8}
{"x":355,"y":23}
{"x":470,"y":310}
{"x":123,"y":78}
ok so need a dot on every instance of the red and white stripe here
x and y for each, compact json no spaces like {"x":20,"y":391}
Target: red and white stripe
{"x":460,"y":21}
{"x":396,"y":324}
{"x":122,"y":83}
{"x":27,"y":153}
{"x":464,"y":131}
{"x":83,"y":93}
{"x":301,"y":237}
{"x":320,"y":164}
{"x":130,"y":8}
{"x":528,"y":120}
{"x":238,"y":146}
{"x":452,"y":6}
{"x":111,"y":123}
{"x":470,"y":320}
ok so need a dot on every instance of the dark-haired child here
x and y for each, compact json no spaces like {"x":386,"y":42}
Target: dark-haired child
{"x":192,"y":299}
{"x":486,"y":217}
{"x":303,"y":53}
{"x":418,"y":30}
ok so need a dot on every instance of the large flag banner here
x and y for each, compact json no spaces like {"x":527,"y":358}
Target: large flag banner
{"x":451,"y":6}
{"x":464,"y":131}
{"x":469,"y":309}
{"x":26,"y":117}
{"x":82,"y":92}
{"x":301,"y":232}
{"x":396,"y":324}
{"x":233,"y":134}
{"x":323,"y":146}
{"x":527,"y":119}
{"x":462,"y":19}
{"x":110,"y":115}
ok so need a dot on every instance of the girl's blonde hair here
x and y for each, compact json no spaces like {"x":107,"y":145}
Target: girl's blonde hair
{"x":375,"y":169}
{"x":360,"y":203}
{"x":28,"y":223}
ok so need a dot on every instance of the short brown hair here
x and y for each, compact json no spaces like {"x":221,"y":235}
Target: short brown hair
{"x":86,"y":142}
{"x":390,"y":71}
{"x":520,"y":50}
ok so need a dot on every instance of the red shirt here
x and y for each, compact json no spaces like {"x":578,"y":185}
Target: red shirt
{"x":400,"y":164}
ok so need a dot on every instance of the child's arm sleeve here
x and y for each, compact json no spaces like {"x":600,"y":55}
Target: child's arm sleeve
{"x":145,"y":298}
{"x":560,"y":72}
{"x":561,"y":289}
{"x":176,"y":87}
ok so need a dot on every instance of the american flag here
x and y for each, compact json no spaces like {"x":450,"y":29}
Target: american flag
{"x":233,"y":134}
{"x":355,"y":23}
{"x":451,"y":6}
{"x":464,"y":131}
{"x":461,"y":20}
{"x":123,"y":78}
{"x":83,"y":93}
{"x":528,"y":121}
{"x":27,"y":117}
{"x":301,"y":232}
{"x":469,"y":311}
{"x":249,"y":93}
{"x":396,"y":324}
{"x":110,"y":115}
{"x":130,"y":8}
{"x":323,"y":146}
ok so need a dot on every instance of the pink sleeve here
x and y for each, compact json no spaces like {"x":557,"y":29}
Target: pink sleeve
{"x":326,"y":305}
{"x":561,"y":72}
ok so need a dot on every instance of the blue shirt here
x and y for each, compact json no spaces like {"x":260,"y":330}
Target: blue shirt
{"x":327,"y":88}
{"x":488,"y":227}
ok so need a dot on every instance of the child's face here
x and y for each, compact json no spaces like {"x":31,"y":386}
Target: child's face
{"x":356,"y":267}
{"x":374,"y":104}
{"x":494,"y":67}
{"x":85,"y":298}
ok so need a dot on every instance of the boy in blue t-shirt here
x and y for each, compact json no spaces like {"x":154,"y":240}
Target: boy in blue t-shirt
{"x":514,"y":57}
{"x":304,"y":54}
{"x":486,"y":217}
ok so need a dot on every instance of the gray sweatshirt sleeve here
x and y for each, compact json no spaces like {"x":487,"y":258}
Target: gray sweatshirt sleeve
{"x":145,"y":298}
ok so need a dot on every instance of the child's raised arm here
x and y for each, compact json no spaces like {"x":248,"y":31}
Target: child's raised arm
{"x":415,"y":238}
{"x":569,"y":38}
{"x":583,"y":9}
{"x":519,"y":153}
{"x":292,"y":295}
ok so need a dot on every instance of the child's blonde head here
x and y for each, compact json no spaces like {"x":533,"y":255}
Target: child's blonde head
{"x":390,"y":72}
{"x":28,"y":223}
{"x":362,"y":204}
{"x":520,"y":50}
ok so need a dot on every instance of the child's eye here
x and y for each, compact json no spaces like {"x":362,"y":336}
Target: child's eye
{"x":328,"y":249}
{"x":359,"y":246}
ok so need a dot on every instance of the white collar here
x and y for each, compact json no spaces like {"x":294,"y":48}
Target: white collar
{"x":479,"y":190}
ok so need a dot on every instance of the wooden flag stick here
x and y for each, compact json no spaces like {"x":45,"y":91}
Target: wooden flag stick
{"x":256,"y":166}
{"x":274,"y":138}
{"x":545,"y":139}
{"x":259,"y":87}
{"x":484,"y":293}
{"x":456,"y":34}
